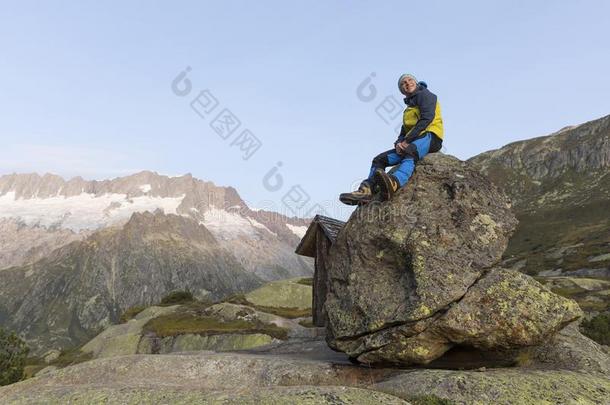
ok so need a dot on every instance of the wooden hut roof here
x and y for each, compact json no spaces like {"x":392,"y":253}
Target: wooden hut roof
{"x":330,"y":227}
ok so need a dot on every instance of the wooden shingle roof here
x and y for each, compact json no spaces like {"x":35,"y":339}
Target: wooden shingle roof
{"x":330,"y":227}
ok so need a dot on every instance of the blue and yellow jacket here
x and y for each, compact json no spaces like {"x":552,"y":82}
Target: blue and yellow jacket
{"x":423,"y":114}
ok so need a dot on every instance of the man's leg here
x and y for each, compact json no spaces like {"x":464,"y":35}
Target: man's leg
{"x":364,"y":194}
{"x":390,"y":183}
{"x":416,"y":151}
{"x":383,"y":160}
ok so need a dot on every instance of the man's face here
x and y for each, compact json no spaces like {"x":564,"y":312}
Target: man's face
{"x":408,"y":85}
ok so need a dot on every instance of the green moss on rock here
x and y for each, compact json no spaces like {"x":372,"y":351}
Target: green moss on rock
{"x":286,"y":312}
{"x":187,"y":323}
{"x":131,"y":312}
{"x":283,"y":294}
{"x":187,"y":343}
{"x":502,"y":386}
{"x":177,"y":297}
{"x":306,"y":395}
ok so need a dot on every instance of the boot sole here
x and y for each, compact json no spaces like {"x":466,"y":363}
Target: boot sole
{"x":348,"y":199}
{"x":385,"y":186}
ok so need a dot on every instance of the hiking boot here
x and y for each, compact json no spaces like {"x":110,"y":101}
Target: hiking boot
{"x":361,"y":196}
{"x":388,"y":184}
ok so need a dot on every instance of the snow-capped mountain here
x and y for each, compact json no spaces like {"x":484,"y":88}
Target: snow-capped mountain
{"x":62,"y":299}
{"x":53,"y":211}
{"x":75,"y":254}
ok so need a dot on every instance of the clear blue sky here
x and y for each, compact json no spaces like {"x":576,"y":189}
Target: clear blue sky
{"x":85,"y":87}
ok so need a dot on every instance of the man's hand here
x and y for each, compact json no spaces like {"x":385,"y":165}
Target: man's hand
{"x":401,"y":147}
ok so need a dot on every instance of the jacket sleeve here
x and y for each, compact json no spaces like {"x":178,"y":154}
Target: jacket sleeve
{"x":401,"y":136}
{"x":426,"y":101}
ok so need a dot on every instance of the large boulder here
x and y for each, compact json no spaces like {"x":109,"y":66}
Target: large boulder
{"x":506,"y":309}
{"x":568,"y":350}
{"x":124,"y":338}
{"x":412,"y":277}
{"x":300,"y":377}
{"x":132,"y":337}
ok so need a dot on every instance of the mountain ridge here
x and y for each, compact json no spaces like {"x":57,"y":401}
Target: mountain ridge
{"x":64,"y":298}
{"x":53,"y":203}
{"x":560,"y":188}
{"x":66,"y":245}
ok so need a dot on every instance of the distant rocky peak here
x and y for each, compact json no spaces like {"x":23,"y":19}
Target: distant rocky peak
{"x":580,"y":148}
{"x":32,"y":185}
{"x":79,"y":204}
{"x":85,"y":205}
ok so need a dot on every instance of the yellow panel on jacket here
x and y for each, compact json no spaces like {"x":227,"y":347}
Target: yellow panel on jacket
{"x":412,"y":115}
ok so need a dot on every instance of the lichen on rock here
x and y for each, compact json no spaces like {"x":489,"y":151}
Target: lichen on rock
{"x":435,"y":285}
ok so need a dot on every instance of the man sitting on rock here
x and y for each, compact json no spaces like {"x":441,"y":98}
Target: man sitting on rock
{"x":421,"y":133}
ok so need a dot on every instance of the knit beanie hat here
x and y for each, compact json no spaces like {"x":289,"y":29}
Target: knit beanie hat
{"x":404,"y":76}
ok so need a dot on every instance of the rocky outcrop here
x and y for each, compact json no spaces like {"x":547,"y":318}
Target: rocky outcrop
{"x":286,"y":378}
{"x":195,"y":326}
{"x":133,"y":338}
{"x":527,"y":169}
{"x":196,"y":377}
{"x":560,"y":187}
{"x":125,"y":338}
{"x":302,"y":395}
{"x":568,"y":350}
{"x":413,"y":277}
{"x":281,"y":294}
{"x":501,"y":386}
{"x":22,"y":244}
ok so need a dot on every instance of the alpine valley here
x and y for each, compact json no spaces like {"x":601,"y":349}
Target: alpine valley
{"x":75,"y":254}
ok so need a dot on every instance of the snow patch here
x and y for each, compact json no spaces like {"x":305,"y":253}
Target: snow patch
{"x":229,"y":225}
{"x":260,"y":226}
{"x":297,"y":230}
{"x":145,"y":188}
{"x":84,"y":211}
